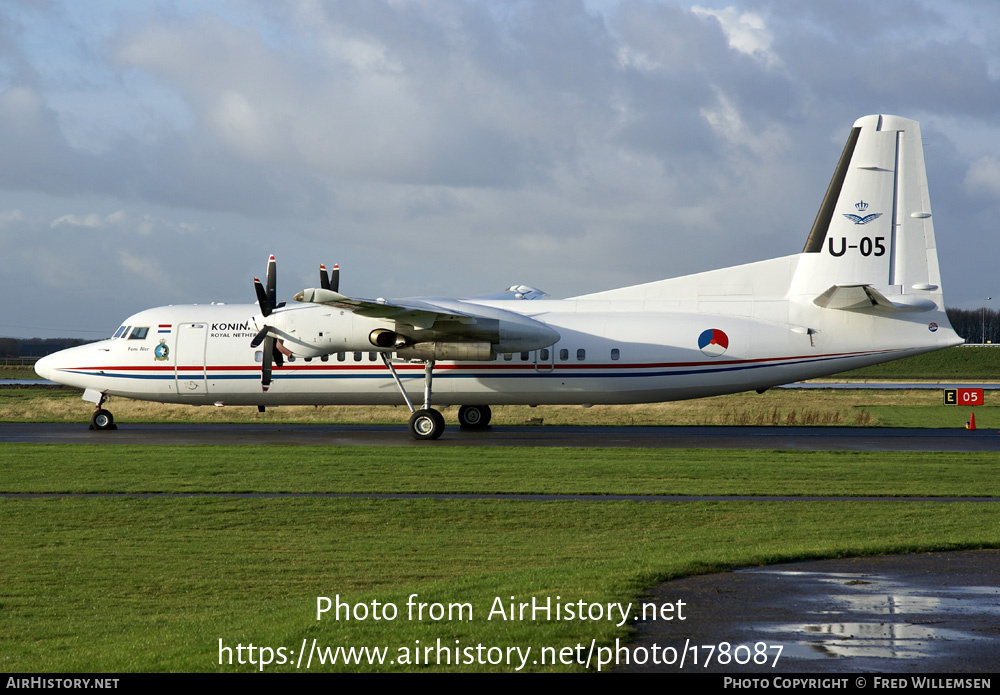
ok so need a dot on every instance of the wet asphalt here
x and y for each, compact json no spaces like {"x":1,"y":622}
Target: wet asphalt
{"x":796,"y":438}
{"x":921,"y":613}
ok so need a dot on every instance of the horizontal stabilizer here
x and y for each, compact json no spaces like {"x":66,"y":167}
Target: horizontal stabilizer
{"x":861,"y":297}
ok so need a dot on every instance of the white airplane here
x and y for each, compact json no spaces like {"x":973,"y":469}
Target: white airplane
{"x":865,"y":289}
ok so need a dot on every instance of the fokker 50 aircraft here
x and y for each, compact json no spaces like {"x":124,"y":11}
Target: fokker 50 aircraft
{"x":865,"y":289}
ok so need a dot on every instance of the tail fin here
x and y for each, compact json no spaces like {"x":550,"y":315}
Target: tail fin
{"x":872,"y":244}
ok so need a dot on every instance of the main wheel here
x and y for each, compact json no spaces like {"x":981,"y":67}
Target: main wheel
{"x":474,"y":417}
{"x":426,"y":424}
{"x":102,"y":420}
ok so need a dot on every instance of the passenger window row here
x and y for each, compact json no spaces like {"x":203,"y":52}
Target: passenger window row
{"x":563,"y":355}
{"x":342,"y":357}
{"x":543,"y":354}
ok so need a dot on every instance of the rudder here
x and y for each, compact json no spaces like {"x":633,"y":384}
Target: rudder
{"x":874,"y":226}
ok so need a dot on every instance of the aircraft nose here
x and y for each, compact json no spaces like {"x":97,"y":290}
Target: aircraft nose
{"x":44,"y":367}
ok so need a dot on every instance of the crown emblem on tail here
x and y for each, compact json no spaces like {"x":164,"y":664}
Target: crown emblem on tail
{"x":861,"y":206}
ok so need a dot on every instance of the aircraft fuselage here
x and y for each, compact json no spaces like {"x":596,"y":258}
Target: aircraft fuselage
{"x":200,"y":355}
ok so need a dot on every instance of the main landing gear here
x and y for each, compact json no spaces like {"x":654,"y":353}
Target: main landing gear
{"x":474,"y":417}
{"x":427,"y":423}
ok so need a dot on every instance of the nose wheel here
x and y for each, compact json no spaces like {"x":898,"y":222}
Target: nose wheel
{"x":102,"y":420}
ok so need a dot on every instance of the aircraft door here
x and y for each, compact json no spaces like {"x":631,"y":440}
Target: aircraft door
{"x":544,"y":360}
{"x":189,"y":359}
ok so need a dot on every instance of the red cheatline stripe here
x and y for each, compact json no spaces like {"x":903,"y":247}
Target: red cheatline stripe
{"x":354,"y":366}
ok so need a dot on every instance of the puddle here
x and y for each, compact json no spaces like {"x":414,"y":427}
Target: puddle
{"x":911,"y":634}
{"x":879,"y":640}
{"x":904,"y":604}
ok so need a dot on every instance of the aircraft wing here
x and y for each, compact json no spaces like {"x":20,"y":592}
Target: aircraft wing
{"x":419,"y":320}
{"x":416,"y":312}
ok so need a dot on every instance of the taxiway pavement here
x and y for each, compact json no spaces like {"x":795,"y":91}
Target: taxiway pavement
{"x":703,"y":437}
{"x":927,"y":613}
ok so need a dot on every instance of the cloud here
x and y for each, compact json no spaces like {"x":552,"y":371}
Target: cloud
{"x":645,"y":140}
{"x":91,"y":221}
{"x":984,"y":176}
{"x":120,"y":220}
{"x":147,"y":270}
{"x":10,"y":217}
{"x":747,"y":32}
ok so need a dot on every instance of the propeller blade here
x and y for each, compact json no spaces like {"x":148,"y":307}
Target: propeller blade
{"x":259,"y":338}
{"x":265,"y":366}
{"x":272,"y":281}
{"x":279,"y":361}
{"x":262,"y":300}
{"x":335,"y":278}
{"x":324,"y":279}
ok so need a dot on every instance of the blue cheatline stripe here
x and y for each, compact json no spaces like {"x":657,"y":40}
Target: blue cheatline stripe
{"x":448,"y":374}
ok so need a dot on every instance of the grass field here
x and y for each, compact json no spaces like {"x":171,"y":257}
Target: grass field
{"x":959,"y":363}
{"x":855,"y":408}
{"x":18,"y":372}
{"x":141,"y":584}
{"x":30,"y":468}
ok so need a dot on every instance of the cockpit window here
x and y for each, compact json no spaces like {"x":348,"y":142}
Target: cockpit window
{"x":121,"y":331}
{"x":139,"y":333}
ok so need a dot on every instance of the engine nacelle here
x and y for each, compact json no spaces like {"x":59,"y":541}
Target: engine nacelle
{"x":458,"y":352}
{"x":384,"y":338}
{"x":313,"y":331}
{"x":474,"y":332}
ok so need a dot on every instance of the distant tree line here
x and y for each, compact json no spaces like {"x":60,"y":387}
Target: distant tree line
{"x":975,"y":324}
{"x":36,"y":347}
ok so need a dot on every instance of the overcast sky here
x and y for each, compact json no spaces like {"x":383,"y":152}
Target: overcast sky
{"x":156,"y":152}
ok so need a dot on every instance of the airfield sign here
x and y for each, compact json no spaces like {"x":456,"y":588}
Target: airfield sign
{"x":969,"y":397}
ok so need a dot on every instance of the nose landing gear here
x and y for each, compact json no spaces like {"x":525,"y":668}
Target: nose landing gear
{"x":101,"y":419}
